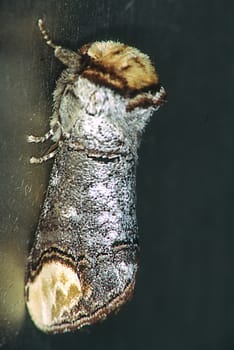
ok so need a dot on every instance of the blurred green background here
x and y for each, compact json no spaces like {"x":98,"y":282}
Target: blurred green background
{"x":185,"y":287}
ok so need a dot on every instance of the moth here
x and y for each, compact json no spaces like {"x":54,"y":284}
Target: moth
{"x":84,"y":258}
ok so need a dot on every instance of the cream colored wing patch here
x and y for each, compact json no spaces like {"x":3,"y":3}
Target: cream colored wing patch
{"x":52,"y":294}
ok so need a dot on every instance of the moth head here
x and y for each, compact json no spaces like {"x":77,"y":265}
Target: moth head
{"x":124,"y":69}
{"x":120,"y":67}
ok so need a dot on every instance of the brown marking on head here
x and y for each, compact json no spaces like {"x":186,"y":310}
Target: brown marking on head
{"x":118,"y":66}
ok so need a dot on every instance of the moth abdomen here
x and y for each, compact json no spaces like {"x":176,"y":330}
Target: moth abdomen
{"x":84,"y":258}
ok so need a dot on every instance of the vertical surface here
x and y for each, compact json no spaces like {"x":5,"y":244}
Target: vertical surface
{"x":185,"y":286}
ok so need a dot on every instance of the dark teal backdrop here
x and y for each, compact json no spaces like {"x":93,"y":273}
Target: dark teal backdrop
{"x":185,"y":286}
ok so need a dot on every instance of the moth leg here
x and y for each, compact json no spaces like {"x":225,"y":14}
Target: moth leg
{"x":147,"y":99}
{"x":70,"y":58}
{"x":34,"y":160}
{"x":45,"y":34}
{"x":40,"y":139}
{"x":47,"y":136}
{"x":52,"y":151}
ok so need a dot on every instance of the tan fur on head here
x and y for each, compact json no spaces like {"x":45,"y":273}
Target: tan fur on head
{"x":119,"y":66}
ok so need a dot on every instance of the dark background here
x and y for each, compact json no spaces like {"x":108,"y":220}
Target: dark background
{"x":185,"y":287}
